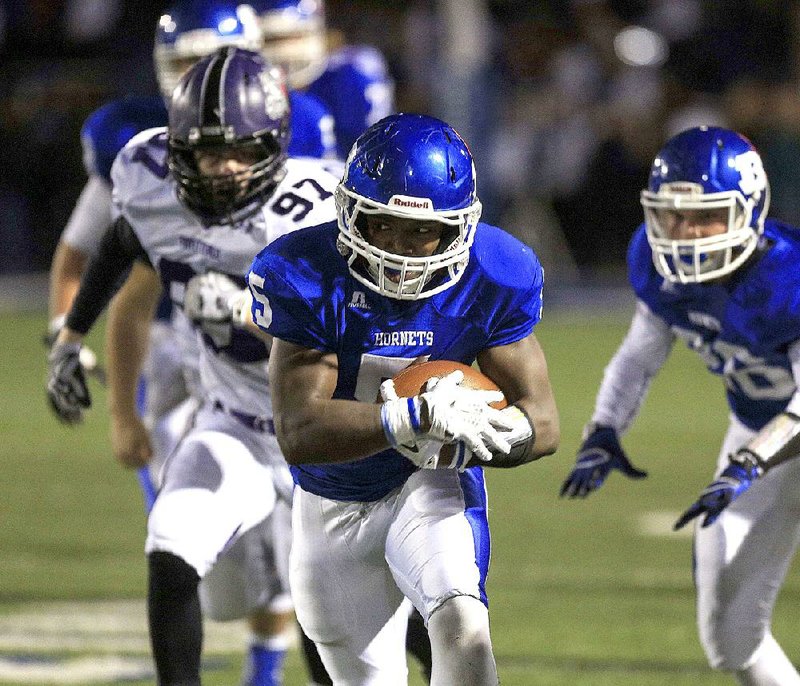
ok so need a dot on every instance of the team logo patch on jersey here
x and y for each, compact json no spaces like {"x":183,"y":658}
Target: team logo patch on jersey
{"x":200,"y":247}
{"x":359,"y":301}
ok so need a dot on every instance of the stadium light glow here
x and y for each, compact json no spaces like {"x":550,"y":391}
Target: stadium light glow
{"x":640,"y":47}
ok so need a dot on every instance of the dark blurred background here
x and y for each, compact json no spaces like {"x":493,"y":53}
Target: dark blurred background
{"x":564,"y":103}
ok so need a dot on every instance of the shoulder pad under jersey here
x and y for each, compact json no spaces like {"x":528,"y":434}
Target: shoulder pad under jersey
{"x":141,"y":170}
{"x":357,"y":89}
{"x":304,"y":197}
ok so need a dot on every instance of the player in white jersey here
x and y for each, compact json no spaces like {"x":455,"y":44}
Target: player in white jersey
{"x":104,"y":133}
{"x":187,"y":30}
{"x":193,"y":204}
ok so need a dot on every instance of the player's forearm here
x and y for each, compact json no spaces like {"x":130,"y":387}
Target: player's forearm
{"x":777,"y":442}
{"x":543,"y":417}
{"x":330,"y":431}
{"x":66,"y":270}
{"x":127,"y":340}
{"x":128,"y":336}
{"x":106,"y":271}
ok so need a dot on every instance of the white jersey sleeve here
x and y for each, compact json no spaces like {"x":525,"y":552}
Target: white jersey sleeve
{"x":140,"y":171}
{"x":90,"y":217}
{"x":627,"y":376}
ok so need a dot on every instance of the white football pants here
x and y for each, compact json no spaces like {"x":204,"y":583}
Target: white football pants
{"x":742,"y":559}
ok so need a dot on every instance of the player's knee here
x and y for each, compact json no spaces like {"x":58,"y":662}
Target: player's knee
{"x":460,"y":622}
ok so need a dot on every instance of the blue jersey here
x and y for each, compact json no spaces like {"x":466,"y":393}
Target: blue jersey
{"x":312,"y":128}
{"x":357,"y":90}
{"x":106,"y":130}
{"x":316,"y":303}
{"x":742,"y":327}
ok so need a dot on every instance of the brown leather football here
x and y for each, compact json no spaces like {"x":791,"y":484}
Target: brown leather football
{"x":411,"y":380}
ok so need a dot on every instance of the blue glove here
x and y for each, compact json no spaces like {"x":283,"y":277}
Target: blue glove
{"x":599,"y":454}
{"x":734,"y":480}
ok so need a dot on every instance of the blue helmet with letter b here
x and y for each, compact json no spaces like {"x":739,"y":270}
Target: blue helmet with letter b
{"x":705,"y":168}
{"x":414,"y":167}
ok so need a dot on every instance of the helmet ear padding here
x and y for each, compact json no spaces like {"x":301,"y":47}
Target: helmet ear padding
{"x":232,"y":99}
{"x":706,"y":169}
{"x":412,"y":167}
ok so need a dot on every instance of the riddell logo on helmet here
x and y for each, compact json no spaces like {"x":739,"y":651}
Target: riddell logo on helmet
{"x":411,"y":204}
{"x":682,"y":188}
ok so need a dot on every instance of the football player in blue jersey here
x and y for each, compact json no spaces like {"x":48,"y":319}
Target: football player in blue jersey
{"x":351,"y":81}
{"x":390,"y":499}
{"x":708,"y":267}
{"x":353,"y":84}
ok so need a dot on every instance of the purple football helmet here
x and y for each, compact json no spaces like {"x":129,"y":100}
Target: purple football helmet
{"x":231,"y":103}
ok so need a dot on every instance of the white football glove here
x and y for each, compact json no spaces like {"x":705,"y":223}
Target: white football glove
{"x":423,"y":452}
{"x":66,"y":383}
{"x":455,"y":414}
{"x":215,"y":303}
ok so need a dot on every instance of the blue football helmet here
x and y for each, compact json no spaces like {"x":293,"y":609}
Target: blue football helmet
{"x":191,"y":29}
{"x":705,"y":168}
{"x":294,"y":37}
{"x":415,"y":167}
{"x":231,"y":101}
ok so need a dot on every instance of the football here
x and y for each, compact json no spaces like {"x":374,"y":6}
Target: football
{"x":411,"y":380}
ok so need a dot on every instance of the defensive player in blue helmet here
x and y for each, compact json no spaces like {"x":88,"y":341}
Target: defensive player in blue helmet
{"x":380,"y":511}
{"x":709,"y":268}
{"x":352,"y":82}
{"x":192,"y":204}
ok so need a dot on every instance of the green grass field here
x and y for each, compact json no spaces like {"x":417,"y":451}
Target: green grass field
{"x":581,"y":592}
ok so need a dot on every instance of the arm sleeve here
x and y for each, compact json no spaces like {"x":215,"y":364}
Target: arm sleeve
{"x":107,"y":270}
{"x":627,"y":377}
